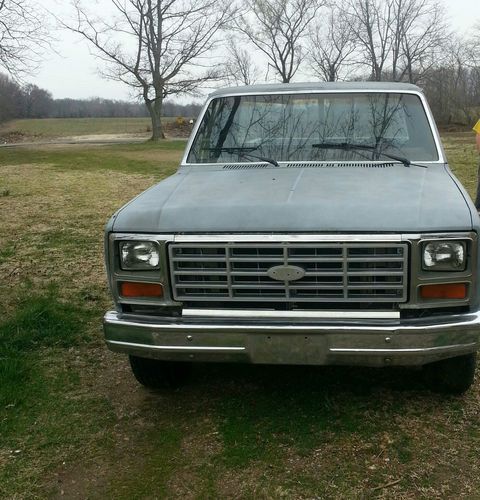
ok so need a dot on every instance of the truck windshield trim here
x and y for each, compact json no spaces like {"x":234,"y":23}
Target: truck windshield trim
{"x":285,"y":126}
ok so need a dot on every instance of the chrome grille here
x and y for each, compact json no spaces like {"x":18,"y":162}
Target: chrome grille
{"x":334,"y":272}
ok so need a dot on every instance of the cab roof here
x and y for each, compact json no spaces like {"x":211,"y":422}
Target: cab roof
{"x":272,"y":88}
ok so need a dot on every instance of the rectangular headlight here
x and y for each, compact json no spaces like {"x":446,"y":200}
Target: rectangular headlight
{"x":139,"y":255}
{"x":444,"y":255}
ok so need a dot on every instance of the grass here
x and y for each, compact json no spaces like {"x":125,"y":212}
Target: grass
{"x":147,"y":159}
{"x":73,"y":422}
{"x":463,"y":158}
{"x":36,"y":409}
{"x":67,"y":127}
{"x":53,"y":293}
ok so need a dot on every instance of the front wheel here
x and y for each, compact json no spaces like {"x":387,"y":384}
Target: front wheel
{"x":451,"y":376}
{"x":157,"y":374}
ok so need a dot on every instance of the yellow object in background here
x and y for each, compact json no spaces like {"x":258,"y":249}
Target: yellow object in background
{"x":477,"y":127}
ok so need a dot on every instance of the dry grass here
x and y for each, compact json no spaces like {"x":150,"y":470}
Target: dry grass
{"x":66,"y":127}
{"x":463,"y":158}
{"x":87,"y":430}
{"x":55,"y":205}
{"x":65,"y":213}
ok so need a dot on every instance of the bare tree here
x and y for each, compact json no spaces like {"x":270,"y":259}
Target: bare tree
{"x":419,"y":32}
{"x":156,"y":46}
{"x":476,"y":32}
{"x":331,"y":44}
{"x":459,"y":65}
{"x":23,"y":35}
{"x":240,"y":67}
{"x":475,"y":43}
{"x":453,"y":87}
{"x":371,"y":24}
{"x":399,"y":39}
{"x":277,"y":28}
{"x":10,"y":99}
{"x":37,"y":102}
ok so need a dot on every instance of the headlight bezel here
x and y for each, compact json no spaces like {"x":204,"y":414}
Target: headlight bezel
{"x":116,"y":274}
{"x":139,"y":265}
{"x":447,"y":266}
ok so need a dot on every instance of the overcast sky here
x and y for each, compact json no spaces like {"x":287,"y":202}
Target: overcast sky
{"x":74,"y":71}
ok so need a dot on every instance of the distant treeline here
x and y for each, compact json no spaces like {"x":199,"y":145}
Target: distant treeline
{"x":30,"y":101}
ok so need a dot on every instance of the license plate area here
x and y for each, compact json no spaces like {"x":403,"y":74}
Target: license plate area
{"x":293,"y":349}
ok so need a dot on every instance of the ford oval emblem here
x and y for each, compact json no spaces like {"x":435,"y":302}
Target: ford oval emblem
{"x":286,"y":273}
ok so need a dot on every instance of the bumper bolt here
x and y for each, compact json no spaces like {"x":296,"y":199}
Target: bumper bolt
{"x":189,"y":337}
{"x":388,"y":340}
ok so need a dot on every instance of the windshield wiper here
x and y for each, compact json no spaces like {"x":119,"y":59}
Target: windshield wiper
{"x":244,"y":152}
{"x":348,"y":146}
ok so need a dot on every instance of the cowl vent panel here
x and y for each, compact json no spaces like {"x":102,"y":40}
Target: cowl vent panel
{"x":250,"y":166}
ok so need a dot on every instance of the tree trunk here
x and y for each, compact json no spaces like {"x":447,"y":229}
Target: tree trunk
{"x":332,"y":74}
{"x":410,"y":73}
{"x":155,"y":111}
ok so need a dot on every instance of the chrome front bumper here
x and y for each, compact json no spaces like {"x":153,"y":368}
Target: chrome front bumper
{"x":296,"y":340}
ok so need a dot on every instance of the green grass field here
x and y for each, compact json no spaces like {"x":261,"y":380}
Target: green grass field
{"x":74,"y":423}
{"x":47,"y":128}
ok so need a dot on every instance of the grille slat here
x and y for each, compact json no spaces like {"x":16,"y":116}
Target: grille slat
{"x":256,"y":259}
{"x":193,"y":284}
{"x":196,"y":258}
{"x":334,"y":272}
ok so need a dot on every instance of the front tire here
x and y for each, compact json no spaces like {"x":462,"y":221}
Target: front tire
{"x":451,"y":376}
{"x":157,"y":374}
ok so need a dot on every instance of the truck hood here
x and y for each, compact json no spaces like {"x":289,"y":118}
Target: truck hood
{"x":368,"y":198}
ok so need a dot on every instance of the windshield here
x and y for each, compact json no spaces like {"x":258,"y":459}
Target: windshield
{"x":313,"y":127}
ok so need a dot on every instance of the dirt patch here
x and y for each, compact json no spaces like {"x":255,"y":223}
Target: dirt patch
{"x":199,"y":448}
{"x":176,"y":128}
{"x":105,"y":138}
{"x":108,"y":375}
{"x":17,"y":136}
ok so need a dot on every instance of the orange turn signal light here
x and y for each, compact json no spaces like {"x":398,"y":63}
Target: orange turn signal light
{"x":136,"y":289}
{"x":445,"y":291}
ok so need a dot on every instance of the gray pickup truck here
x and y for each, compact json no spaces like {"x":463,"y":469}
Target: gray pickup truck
{"x":307,"y":224}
